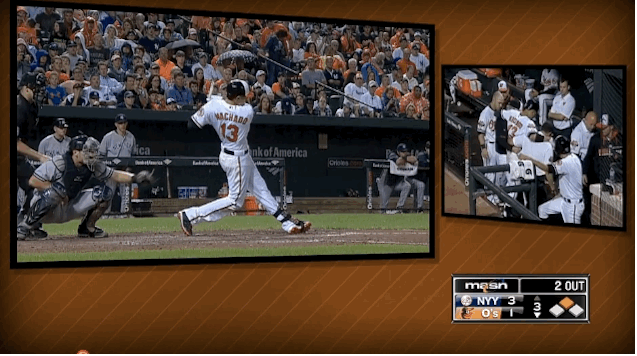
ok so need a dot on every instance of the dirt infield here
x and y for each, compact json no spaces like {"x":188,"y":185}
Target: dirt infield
{"x":223,"y":239}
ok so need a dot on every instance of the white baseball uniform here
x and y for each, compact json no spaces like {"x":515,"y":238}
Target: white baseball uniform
{"x":232,"y":123}
{"x":540,"y":151}
{"x":518,"y":124}
{"x":550,"y":80}
{"x":580,"y":138}
{"x":563,"y":104}
{"x":486,"y":126}
{"x":570,"y":202}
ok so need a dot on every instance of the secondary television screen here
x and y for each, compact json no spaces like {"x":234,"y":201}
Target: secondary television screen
{"x":145,"y":134}
{"x":532,"y":143}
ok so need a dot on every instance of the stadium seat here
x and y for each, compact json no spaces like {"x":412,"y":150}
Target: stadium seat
{"x":335,"y":102}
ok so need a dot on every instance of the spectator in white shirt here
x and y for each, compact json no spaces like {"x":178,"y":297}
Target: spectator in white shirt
{"x":105,"y":80}
{"x":261,"y":84}
{"x":106,"y":98}
{"x":355,"y":90}
{"x":421,"y":61}
{"x":374,"y":100}
{"x":209,"y":71}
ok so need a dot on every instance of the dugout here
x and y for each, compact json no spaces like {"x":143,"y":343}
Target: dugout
{"x":321,"y":153}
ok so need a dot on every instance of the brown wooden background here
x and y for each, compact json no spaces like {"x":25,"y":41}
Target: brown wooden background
{"x":354,"y":306}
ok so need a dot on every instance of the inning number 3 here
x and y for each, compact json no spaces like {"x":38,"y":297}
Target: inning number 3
{"x":233,"y":131}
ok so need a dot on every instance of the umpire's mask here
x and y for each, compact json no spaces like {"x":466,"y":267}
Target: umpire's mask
{"x":90,"y":152}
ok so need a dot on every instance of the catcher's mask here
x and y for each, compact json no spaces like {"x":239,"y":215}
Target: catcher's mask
{"x":90,"y":152}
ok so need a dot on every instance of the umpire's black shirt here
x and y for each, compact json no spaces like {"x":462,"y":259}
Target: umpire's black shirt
{"x":27,"y":115}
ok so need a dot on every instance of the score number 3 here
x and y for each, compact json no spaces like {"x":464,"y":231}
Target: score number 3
{"x":233,"y":131}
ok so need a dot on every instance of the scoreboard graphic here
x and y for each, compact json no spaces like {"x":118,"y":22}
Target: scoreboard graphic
{"x":521,"y":298}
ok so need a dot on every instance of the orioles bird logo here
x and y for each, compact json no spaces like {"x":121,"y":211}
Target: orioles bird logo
{"x":466,"y":313}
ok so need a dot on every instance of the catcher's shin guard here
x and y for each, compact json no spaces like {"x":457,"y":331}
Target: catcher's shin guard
{"x":38,"y":210}
{"x":91,"y":217}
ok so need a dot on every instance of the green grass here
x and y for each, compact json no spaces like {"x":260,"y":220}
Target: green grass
{"x":171,"y":224}
{"x":226,"y":252}
{"x":327,"y":221}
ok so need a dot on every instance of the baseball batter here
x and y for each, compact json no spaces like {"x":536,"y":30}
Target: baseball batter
{"x":570,"y":201}
{"x":231,"y":118}
{"x":486,"y":138}
{"x":60,"y":196}
{"x":56,"y":143}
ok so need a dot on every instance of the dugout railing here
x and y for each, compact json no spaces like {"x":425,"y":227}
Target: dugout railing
{"x":457,"y":148}
{"x":477,"y":175}
{"x":375,"y":164}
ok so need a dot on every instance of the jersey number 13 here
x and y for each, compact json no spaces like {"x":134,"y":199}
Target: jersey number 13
{"x":232,"y":132}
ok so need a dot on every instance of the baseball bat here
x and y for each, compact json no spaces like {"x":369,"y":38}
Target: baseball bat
{"x":170,"y":194}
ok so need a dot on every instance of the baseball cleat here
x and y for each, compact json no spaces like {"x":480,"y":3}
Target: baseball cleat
{"x":186,"y":226}
{"x":300,"y":227}
{"x":98,"y":233}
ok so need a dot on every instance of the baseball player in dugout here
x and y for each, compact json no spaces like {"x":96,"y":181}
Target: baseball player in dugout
{"x":119,"y":143}
{"x":56,"y":143}
{"x":59,"y":190}
{"x":231,"y":118}
{"x":487,"y":138}
{"x":30,"y":96}
{"x":569,"y":202}
{"x":400,"y":177}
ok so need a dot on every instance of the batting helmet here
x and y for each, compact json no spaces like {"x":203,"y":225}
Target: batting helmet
{"x":237,"y":88}
{"x":402,"y":147}
{"x":562,"y":145}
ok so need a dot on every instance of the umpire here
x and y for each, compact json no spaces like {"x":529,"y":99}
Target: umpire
{"x":29,"y":100}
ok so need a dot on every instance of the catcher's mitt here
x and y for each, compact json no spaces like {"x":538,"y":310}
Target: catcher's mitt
{"x":144,"y":177}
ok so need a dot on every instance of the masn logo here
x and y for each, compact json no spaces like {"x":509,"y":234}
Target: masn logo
{"x":483,"y":285}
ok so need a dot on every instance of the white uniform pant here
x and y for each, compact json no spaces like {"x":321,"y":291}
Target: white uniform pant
{"x":499,"y":178}
{"x":243,"y":176}
{"x":571,"y":212}
{"x":545,"y":101}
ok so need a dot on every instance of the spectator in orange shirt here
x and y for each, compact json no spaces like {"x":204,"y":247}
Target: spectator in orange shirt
{"x":310,"y":51}
{"x":348,"y":42}
{"x":404,"y":62}
{"x":201,"y":22}
{"x":28,"y":32}
{"x":415,"y":97}
{"x":165,"y":66}
{"x":280,"y":89}
{"x":397,"y":37}
{"x":386,"y":83}
{"x":56,"y":65}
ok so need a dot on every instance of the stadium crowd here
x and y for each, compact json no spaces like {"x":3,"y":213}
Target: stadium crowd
{"x":170,"y":62}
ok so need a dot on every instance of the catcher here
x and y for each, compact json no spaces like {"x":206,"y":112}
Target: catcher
{"x":59,"y":195}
